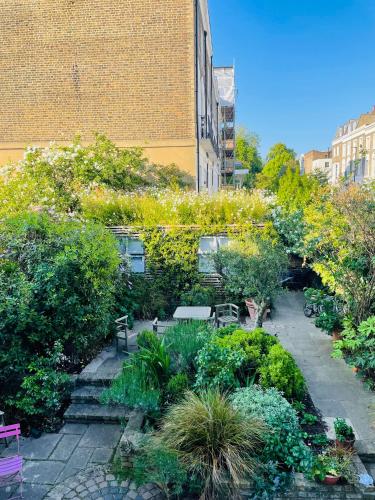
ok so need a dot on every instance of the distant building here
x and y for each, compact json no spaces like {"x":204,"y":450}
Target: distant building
{"x":227,"y":94}
{"x":316,"y":161}
{"x":139,"y":71}
{"x":353,"y":149}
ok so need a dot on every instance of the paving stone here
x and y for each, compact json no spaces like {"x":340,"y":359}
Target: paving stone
{"x":71,"y":428}
{"x":42,"y":472}
{"x":110,"y":477}
{"x":80,"y":457}
{"x":101,"y":436}
{"x":39,"y":449}
{"x":67,"y":472}
{"x":102,"y":455}
{"x":34,"y":491}
{"x":65,"y":447}
{"x":332,"y":386}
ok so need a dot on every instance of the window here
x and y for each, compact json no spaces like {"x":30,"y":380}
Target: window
{"x":134,"y":249}
{"x":209,"y":245}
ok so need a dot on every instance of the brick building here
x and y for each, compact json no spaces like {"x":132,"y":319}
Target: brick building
{"x":316,"y":161}
{"x":139,"y":71}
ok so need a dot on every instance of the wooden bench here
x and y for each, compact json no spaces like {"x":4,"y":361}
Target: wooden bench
{"x":160,"y":327}
{"x":226,"y":314}
{"x":122,"y":332}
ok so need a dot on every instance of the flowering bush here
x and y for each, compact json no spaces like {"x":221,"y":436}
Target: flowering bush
{"x":175,"y":207}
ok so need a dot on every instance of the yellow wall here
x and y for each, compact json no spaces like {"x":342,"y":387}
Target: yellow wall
{"x":125,"y":69}
{"x":182,"y":153}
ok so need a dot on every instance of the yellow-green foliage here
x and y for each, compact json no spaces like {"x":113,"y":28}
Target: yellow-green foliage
{"x":175,"y":207}
{"x":255,"y":344}
{"x":280,"y":370}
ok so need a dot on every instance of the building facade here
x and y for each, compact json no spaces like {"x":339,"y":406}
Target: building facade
{"x":139,"y":71}
{"x":315,"y":162}
{"x":227,"y":98}
{"x":315,"y":159}
{"x":353,"y":149}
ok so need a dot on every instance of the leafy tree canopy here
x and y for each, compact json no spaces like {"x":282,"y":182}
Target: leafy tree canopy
{"x":279,"y":159}
{"x":247,"y":152}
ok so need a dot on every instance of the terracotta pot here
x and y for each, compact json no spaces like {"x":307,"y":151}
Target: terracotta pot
{"x":347,"y":445}
{"x":355,"y":369}
{"x":252,"y":308}
{"x":331,"y":480}
{"x":336,"y":335}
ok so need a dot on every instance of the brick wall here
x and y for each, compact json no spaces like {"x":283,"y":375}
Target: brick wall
{"x":125,"y":68}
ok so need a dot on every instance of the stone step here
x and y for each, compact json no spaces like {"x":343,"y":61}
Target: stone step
{"x":87,"y":394}
{"x":87,"y":413}
{"x":99,"y":379}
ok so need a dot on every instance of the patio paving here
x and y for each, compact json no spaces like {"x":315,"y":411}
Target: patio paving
{"x":53,"y":458}
{"x":335,"y":390}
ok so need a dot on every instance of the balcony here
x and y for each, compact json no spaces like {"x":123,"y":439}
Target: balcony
{"x":209,"y":134}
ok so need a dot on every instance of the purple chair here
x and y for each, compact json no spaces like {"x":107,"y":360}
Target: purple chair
{"x":11,"y":467}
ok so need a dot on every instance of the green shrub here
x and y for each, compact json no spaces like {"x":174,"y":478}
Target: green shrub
{"x":143,"y":377}
{"x":199,"y":296}
{"x":218,"y":367}
{"x":184,"y":341}
{"x":57,"y":283}
{"x":284,"y":442}
{"x":214,"y":441}
{"x":43,"y":391}
{"x":132,"y":390}
{"x":147,"y":339}
{"x":155,"y":463}
{"x":256,"y":344}
{"x":358,"y":346}
{"x":280,"y":370}
{"x":176,"y":387}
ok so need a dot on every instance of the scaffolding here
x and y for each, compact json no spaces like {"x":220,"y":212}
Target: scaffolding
{"x":225,"y":77}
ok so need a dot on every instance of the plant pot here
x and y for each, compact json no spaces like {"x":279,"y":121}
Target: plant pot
{"x":355,"y":369}
{"x":336,"y":335}
{"x":252,"y":308}
{"x":35,"y":433}
{"x":331,"y":480}
{"x":346,"y":445}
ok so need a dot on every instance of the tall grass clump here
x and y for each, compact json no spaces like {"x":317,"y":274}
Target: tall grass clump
{"x":184,"y":341}
{"x":215,"y":442}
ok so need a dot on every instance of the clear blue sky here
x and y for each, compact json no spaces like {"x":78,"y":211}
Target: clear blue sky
{"x":303,"y":66}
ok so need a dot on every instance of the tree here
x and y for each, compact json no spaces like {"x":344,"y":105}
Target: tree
{"x":295,"y":190}
{"x":247,"y":152}
{"x":253,"y":268}
{"x":279,"y":160}
{"x":341,"y":241}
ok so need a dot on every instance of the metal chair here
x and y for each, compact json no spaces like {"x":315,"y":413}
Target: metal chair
{"x":11,"y":467}
{"x":122,"y":332}
{"x":226,"y":314}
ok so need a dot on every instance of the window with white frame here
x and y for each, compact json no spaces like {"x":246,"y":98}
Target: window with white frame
{"x":133,"y":248}
{"x":208,"y":246}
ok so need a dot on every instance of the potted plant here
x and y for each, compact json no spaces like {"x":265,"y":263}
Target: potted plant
{"x":333,"y":465}
{"x":345,"y":437}
{"x":331,"y":322}
{"x":252,"y":308}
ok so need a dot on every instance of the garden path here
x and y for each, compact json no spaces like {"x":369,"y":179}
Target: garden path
{"x":335,"y":390}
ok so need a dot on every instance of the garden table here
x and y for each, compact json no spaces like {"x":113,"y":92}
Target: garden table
{"x":192,"y":313}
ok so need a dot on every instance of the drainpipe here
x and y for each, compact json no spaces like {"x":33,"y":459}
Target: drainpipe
{"x":197,"y":90}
